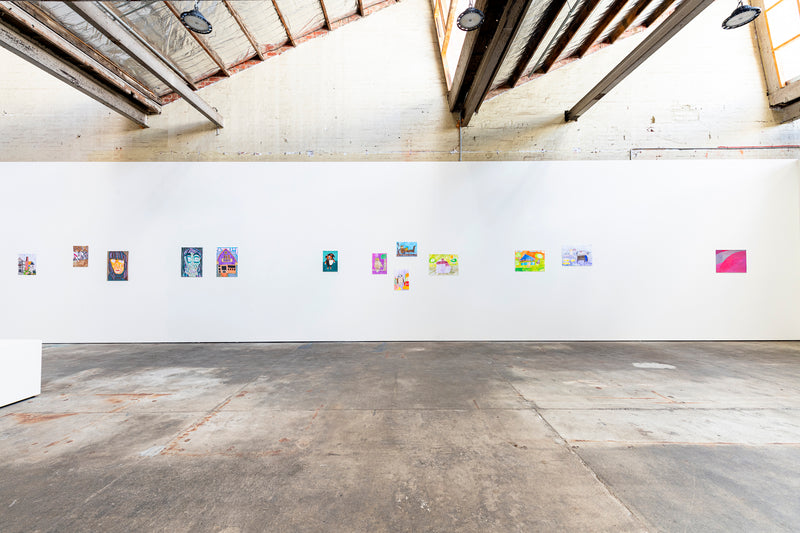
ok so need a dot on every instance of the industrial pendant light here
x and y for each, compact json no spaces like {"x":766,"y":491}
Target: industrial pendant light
{"x":470,"y":19}
{"x":743,"y":14}
{"x":195,"y":21}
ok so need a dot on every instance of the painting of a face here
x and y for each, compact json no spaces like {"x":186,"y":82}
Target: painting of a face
{"x":192,"y":264}
{"x":117,"y":266}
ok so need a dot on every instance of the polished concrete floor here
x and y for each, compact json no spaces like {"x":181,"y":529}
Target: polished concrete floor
{"x":340,"y":437}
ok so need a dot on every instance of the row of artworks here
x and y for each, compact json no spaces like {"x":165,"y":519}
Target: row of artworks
{"x":227,"y":262}
{"x":117,"y":262}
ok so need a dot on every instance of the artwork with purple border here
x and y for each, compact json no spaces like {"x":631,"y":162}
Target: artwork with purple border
{"x":379,"y":263}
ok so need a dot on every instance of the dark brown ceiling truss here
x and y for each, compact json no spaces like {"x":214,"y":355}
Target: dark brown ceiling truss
{"x":524,"y":39}
{"x":135,"y":57}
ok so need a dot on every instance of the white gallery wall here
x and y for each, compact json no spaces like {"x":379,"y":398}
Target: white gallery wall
{"x":653,"y":226}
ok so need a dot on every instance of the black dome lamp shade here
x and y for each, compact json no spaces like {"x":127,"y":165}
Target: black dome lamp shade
{"x":195,"y":21}
{"x":743,"y":14}
{"x":470,"y":19}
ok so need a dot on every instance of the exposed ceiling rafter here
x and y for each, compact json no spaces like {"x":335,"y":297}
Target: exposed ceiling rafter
{"x":504,"y":32}
{"x":325,"y":15}
{"x":120,"y":36}
{"x":545,"y":22}
{"x":657,"y":12}
{"x":683,"y":14}
{"x":600,"y":27}
{"x":627,"y":20}
{"x":210,"y":52}
{"x":245,"y":30}
{"x":566,"y":36}
{"x":283,"y":22}
{"x":30,"y":51}
{"x":58,"y":44}
{"x":32,"y":14}
{"x":118,"y":17}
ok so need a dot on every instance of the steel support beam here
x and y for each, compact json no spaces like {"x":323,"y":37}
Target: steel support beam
{"x":28,"y":50}
{"x":683,"y":14}
{"x":104,"y":23}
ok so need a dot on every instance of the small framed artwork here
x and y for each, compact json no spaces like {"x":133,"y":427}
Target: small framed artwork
{"x":731,"y":261}
{"x":26,"y":264}
{"x":406,"y":249}
{"x":117,"y":268}
{"x":330,"y":261}
{"x":228,"y":262}
{"x":80,"y":256}
{"x":443,"y":265}
{"x":379,"y":263}
{"x":580,"y":256}
{"x":192,"y":262}
{"x":529,"y":261}
{"x":401,"y":280}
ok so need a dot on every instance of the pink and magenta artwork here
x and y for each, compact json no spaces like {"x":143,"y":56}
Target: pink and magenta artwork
{"x":732,"y":261}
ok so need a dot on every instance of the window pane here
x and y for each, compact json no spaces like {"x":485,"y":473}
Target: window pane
{"x":784,"y":22}
{"x":788,"y":59}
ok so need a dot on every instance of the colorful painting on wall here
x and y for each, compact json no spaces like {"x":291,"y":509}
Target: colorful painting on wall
{"x":117,"y":267}
{"x":529,"y":261}
{"x":406,"y":249}
{"x":443,"y":265}
{"x":379,"y":263}
{"x":576,"y":256}
{"x":330,"y":261}
{"x":80,"y":256}
{"x":732,"y":261}
{"x":191,"y":262}
{"x":26,"y":264}
{"x":401,"y":280}
{"x":228,"y":262}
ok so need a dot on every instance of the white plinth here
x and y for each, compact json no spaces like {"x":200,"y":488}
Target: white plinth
{"x":20,"y":370}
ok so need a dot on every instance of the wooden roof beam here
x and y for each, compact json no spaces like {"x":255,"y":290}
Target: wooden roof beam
{"x":245,"y":30}
{"x":325,"y":15}
{"x":657,"y":12}
{"x":683,"y":14}
{"x":566,"y":36}
{"x":15,"y":42}
{"x":200,"y":40}
{"x":482,"y":53}
{"x":448,"y":29}
{"x":101,"y":20}
{"x":547,"y":19}
{"x":283,"y":21}
{"x":627,"y":20}
{"x":57,"y":45}
{"x":33,"y":14}
{"x":117,"y":16}
{"x":600,"y":27}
